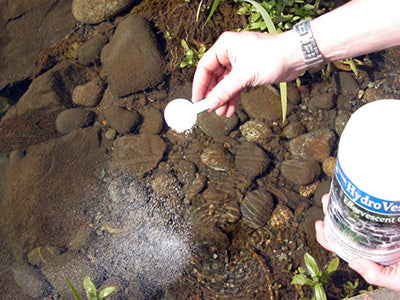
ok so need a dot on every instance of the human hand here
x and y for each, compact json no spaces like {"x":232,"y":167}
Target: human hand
{"x":372,"y":272}
{"x":240,"y":60}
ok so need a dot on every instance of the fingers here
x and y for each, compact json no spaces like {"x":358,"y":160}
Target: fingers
{"x":325,"y":201}
{"x":321,"y":239}
{"x":376,"y":274}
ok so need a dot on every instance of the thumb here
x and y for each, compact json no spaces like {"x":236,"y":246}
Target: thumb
{"x":376,"y":274}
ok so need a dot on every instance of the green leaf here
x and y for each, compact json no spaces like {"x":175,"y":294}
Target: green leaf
{"x":74,"y":291}
{"x":89,"y":287}
{"x":106,"y":292}
{"x":332,"y":267}
{"x":264,"y":14}
{"x":302,"y":280}
{"x":319,"y":292}
{"x":212,"y":11}
{"x":311,"y":266}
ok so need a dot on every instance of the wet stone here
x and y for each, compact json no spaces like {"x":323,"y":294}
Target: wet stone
{"x":322,"y":189}
{"x":90,"y":51}
{"x":217,"y":158}
{"x":293,"y":94}
{"x":262,"y":103}
{"x":251,"y":160}
{"x":323,"y":101}
{"x":96,"y":11}
{"x":75,"y":266}
{"x":136,"y":155}
{"x":74,"y":118}
{"x":316,"y":145}
{"x":195,"y":187}
{"x":186,"y":172}
{"x":343,"y":104}
{"x":88,"y":94}
{"x":328,"y":166}
{"x":132,"y":59}
{"x":256,"y":208}
{"x":293,"y":129}
{"x":281,"y":216}
{"x":300,"y":172}
{"x":122,"y":120}
{"x":153,"y":121}
{"x":29,"y":280}
{"x":255,"y":131}
{"x":42,"y":255}
{"x":313,"y":214}
{"x":166,"y":185}
{"x":215,"y":126}
{"x":348,"y":84}
{"x":340,"y":123}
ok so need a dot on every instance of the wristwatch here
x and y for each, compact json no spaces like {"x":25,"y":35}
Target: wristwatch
{"x":312,"y":56}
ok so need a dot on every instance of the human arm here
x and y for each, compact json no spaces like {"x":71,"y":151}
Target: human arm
{"x":372,"y":272}
{"x":240,"y":60}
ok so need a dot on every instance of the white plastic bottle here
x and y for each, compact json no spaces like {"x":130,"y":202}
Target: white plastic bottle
{"x":363,"y":217}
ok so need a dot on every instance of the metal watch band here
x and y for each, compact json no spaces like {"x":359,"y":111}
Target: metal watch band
{"x":312,"y":56}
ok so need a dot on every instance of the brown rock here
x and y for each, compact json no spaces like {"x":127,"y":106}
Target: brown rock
{"x":251,"y":160}
{"x":136,"y":155}
{"x":96,"y":11}
{"x":132,"y":60}
{"x":28,"y":27}
{"x":300,"y":172}
{"x":263,"y":103}
{"x":88,"y":94}
{"x":315,"y":145}
{"x":215,"y":126}
{"x":122,"y":120}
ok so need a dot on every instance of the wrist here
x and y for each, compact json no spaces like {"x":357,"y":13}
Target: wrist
{"x":311,"y":53}
{"x":295,"y":63}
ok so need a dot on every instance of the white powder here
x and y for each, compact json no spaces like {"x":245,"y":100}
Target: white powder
{"x":180,"y":115}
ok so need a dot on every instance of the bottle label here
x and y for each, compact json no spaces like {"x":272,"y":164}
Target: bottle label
{"x":359,"y":224}
{"x":372,"y":206}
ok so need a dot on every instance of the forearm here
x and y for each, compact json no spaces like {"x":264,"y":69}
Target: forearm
{"x":358,"y":27}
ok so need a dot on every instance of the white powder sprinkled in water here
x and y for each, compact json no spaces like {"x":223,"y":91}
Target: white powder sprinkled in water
{"x":151,"y":246}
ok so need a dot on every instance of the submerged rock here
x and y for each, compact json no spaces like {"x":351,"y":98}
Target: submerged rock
{"x":216,"y":126}
{"x":262,"y":103}
{"x":122,"y":120}
{"x":74,"y":118}
{"x":251,"y":160}
{"x":300,"y":172}
{"x":96,"y":11}
{"x":132,"y":59}
{"x":136,"y":155}
{"x":256,"y":208}
{"x":217,"y":158}
{"x":317,"y":144}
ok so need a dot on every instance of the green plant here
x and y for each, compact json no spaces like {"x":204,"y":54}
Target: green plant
{"x":284,"y":13}
{"x":192,"y":55}
{"x":90,"y":289}
{"x":314,"y":276}
{"x":350,"y":288}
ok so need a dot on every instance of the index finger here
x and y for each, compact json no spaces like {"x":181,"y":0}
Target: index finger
{"x":208,"y":70}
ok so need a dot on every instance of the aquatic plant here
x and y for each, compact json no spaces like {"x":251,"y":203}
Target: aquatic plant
{"x":350,"y":289}
{"x":314,"y":277}
{"x":90,"y":289}
{"x":192,"y":55}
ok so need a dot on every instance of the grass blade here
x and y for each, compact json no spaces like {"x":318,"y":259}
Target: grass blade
{"x":74,"y":291}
